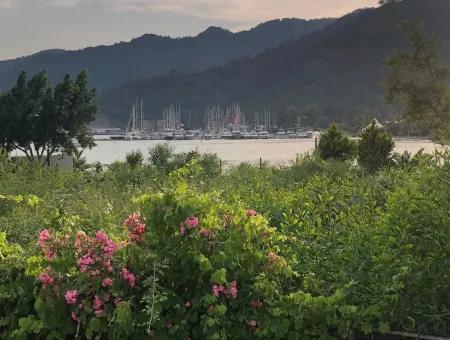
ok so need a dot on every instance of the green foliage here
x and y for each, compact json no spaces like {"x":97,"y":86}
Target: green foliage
{"x":135,"y":158}
{"x":307,"y":251}
{"x":335,"y":144}
{"x":40,"y":120}
{"x":374,"y":147}
{"x":161,"y":156}
{"x":418,"y":80}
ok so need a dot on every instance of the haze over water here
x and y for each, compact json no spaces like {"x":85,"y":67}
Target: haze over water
{"x":274,"y":151}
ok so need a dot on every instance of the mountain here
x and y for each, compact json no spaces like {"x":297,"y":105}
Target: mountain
{"x":335,"y":74}
{"x":151,"y":54}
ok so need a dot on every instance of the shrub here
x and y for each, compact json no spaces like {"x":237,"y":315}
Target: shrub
{"x":134,"y":158}
{"x":161,"y":156}
{"x":374,"y":147}
{"x":335,"y":144}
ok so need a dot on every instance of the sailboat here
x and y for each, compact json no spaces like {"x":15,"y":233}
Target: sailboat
{"x":135,"y":126}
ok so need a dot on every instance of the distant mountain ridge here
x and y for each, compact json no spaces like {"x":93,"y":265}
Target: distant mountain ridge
{"x":151,"y":55}
{"x":333,"y":74}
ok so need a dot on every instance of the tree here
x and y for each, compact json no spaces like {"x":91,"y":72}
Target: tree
{"x":419,"y":81}
{"x":41,"y":121}
{"x":335,"y":144}
{"x":374,"y":147}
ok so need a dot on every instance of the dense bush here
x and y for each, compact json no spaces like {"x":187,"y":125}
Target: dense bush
{"x":134,"y":158}
{"x":374,"y":147}
{"x":335,"y":144}
{"x":308,"y":251}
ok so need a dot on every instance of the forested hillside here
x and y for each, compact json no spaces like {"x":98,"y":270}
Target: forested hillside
{"x":151,"y":54}
{"x":335,"y":74}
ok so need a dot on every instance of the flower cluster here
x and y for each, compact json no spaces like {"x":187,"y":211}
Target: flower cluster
{"x":135,"y":226}
{"x":71,"y":297}
{"x":230,"y":292}
{"x":189,"y":224}
{"x":46,"y":279}
{"x":251,"y":213}
{"x":94,"y":254}
{"x":129,"y":277}
{"x":45,"y":242}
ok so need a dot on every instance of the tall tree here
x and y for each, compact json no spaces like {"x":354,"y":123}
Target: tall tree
{"x":41,"y":121}
{"x":419,"y":81}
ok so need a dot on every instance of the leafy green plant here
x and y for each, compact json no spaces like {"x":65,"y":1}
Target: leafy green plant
{"x":374,"y":147}
{"x":335,"y":144}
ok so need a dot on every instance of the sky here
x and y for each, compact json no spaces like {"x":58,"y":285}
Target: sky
{"x":28,"y":26}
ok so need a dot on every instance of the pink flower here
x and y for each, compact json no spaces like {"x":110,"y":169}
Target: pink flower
{"x":98,"y":312}
{"x":136,"y":227}
{"x":46,"y":279}
{"x":273,"y":257}
{"x":101,"y":237}
{"x":107,"y":282}
{"x":251,"y":213}
{"x":233,"y":290}
{"x":129,"y":277}
{"x":182,"y":229}
{"x":49,"y":254}
{"x":110,"y":248}
{"x":71,"y":297}
{"x":85,"y":261}
{"x":253,"y":323}
{"x":74,"y":317}
{"x":44,"y":236}
{"x":206,"y":233}
{"x":98,"y":303}
{"x":187,"y":305}
{"x":83,"y":268}
{"x":217,"y":290}
{"x":192,"y":222}
{"x":107,"y":265}
{"x":95,"y":272}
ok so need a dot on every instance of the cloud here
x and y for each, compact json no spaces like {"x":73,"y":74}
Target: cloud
{"x":235,"y":10}
{"x":6,"y":4}
{"x":232,"y":10}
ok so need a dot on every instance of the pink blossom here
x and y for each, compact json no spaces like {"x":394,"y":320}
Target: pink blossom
{"x":251,"y":213}
{"x":46,"y":279}
{"x":74,"y":317}
{"x":192,"y":222}
{"x":49,"y":254}
{"x":83,"y":268}
{"x":98,"y":303}
{"x":98,"y":312}
{"x":109,"y":248}
{"x":101,"y":237}
{"x":136,"y":227}
{"x":44,"y":236}
{"x":129,"y":277}
{"x":273,"y":257}
{"x":187,"y":305}
{"x":206,"y":233}
{"x":253,"y":323}
{"x":71,"y":297}
{"x":217,"y":290}
{"x":182,"y":229}
{"x":107,"y":282}
{"x":95,"y":272}
{"x":233,"y":290}
{"x":85,"y":261}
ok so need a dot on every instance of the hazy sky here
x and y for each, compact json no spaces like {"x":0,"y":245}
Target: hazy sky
{"x":27,"y":26}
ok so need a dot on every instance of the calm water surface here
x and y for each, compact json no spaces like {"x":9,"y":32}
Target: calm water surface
{"x":276,"y":151}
